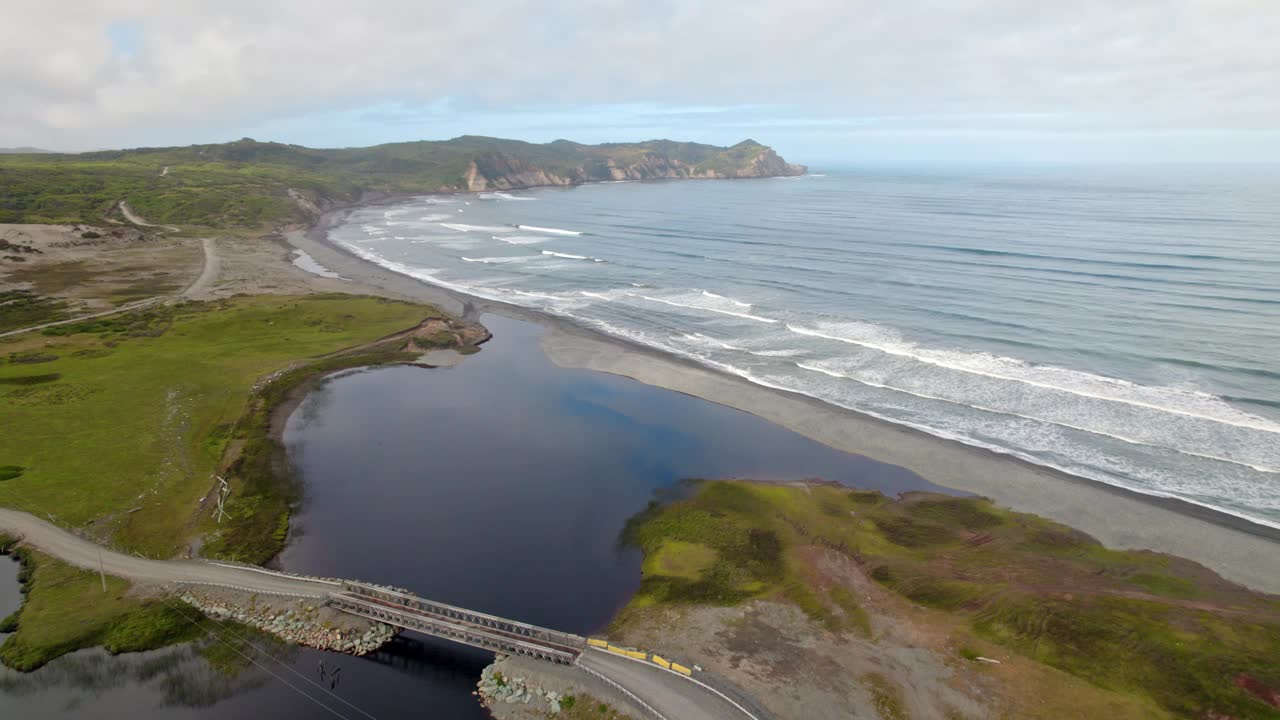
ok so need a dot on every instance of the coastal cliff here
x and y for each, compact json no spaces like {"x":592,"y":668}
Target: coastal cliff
{"x":647,"y":161}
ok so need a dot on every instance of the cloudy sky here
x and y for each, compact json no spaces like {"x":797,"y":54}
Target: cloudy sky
{"x":821,"y":80}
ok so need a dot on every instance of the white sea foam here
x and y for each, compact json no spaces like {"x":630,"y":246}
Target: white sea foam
{"x":500,"y":260}
{"x":521,"y":239}
{"x":549,"y":231}
{"x":706,"y":308}
{"x":527,"y":293}
{"x":730,"y":300}
{"x":1040,"y":450}
{"x":830,"y":372}
{"x":1191,"y":403}
{"x":784,"y":353}
{"x":462,"y":227}
{"x":434,"y":217}
{"x":567,"y":256}
{"x":706,"y":341}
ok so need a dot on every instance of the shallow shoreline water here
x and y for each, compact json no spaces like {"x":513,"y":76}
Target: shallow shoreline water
{"x":1236,"y":548}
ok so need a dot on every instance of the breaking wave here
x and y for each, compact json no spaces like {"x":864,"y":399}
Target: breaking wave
{"x":547,"y":230}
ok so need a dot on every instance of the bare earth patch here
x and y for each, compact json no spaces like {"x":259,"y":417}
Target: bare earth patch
{"x":117,"y":266}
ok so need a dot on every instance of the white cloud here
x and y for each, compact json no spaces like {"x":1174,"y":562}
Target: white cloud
{"x":1158,"y":64}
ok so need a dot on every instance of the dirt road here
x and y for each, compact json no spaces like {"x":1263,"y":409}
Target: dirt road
{"x":197,"y":290}
{"x":128,"y":215}
{"x":208,"y":273}
{"x":123,"y":308}
{"x":81,"y":553}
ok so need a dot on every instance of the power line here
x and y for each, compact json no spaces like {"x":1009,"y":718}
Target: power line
{"x":265,"y":669}
{"x":288,"y":667}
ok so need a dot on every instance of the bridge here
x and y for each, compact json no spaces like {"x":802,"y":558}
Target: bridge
{"x":488,"y":632}
{"x":664,"y":690}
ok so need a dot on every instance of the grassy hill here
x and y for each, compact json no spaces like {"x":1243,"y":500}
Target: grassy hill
{"x":249,"y":184}
{"x":973,"y":580}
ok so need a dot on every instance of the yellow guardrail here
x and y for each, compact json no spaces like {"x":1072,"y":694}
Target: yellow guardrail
{"x":641,"y":655}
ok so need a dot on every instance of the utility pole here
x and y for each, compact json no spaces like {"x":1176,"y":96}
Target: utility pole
{"x":224,"y":490}
{"x":101,"y":572}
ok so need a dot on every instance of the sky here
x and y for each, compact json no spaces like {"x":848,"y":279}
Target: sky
{"x":822,"y":81}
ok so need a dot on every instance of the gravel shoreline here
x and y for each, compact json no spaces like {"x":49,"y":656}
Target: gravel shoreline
{"x":1239,"y":550}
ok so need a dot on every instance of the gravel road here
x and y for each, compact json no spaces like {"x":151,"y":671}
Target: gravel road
{"x":77,"y":551}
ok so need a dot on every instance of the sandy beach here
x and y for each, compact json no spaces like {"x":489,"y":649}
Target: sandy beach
{"x":1241,"y":551}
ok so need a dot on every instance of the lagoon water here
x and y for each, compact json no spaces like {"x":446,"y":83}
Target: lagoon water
{"x":1122,"y":324}
{"x":501,"y":484}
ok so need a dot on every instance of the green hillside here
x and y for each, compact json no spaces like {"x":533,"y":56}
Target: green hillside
{"x":247,"y":183}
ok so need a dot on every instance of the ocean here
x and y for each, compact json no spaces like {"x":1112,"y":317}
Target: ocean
{"x":1120,"y":324}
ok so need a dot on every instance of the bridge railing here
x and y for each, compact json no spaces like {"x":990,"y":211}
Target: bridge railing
{"x":406,"y":617}
{"x":452,"y":612}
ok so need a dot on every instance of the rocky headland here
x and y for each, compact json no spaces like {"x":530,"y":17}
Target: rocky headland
{"x":682,"y":161}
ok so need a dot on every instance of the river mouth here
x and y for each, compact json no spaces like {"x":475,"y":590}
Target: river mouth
{"x":500,"y":484}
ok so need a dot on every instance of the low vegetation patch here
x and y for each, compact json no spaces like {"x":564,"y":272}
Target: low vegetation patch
{"x":66,"y":609}
{"x":31,"y":357}
{"x":587,"y":707}
{"x":1139,"y":623}
{"x":30,"y":379}
{"x":149,"y":322}
{"x":123,"y":443}
{"x":885,"y":696}
{"x":257,"y":524}
{"x":24,"y":308}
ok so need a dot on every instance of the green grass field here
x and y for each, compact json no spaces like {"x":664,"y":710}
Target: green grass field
{"x":1139,"y":623}
{"x":66,"y":609}
{"x":118,"y":424}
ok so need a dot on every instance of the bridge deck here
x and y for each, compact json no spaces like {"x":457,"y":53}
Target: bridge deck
{"x":482,"y":630}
